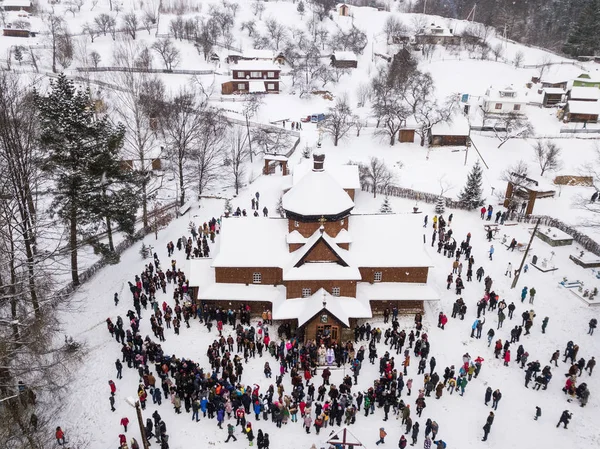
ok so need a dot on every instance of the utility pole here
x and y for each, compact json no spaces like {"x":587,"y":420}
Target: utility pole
{"x":424,"y":6}
{"x":518,"y":273}
{"x":136,"y":404}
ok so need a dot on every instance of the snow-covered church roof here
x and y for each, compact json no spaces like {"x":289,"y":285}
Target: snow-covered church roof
{"x":317,"y":194}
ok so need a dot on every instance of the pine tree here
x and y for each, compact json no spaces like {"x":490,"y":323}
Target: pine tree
{"x":440,"y":206}
{"x":300,"y":8}
{"x":144,"y":251}
{"x":82,"y":160}
{"x":583,"y":37}
{"x":386,"y":207}
{"x":471,"y":194}
{"x":228,"y":207}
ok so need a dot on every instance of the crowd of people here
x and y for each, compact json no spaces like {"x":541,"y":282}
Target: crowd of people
{"x":222,"y":393}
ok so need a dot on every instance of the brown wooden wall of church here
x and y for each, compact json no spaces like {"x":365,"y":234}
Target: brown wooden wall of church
{"x":377,"y":307}
{"x":350,"y":193}
{"x":310,"y":328}
{"x":321,"y":252}
{"x":295,"y":246}
{"x":256,"y":307}
{"x":308,"y":228}
{"x":294,"y":288}
{"x":396,"y":274}
{"x":270,"y":275}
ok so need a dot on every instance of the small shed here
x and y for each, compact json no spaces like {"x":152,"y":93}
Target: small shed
{"x":451,"y":133}
{"x":16,"y":5}
{"x":557,"y":83}
{"x":552,"y":96}
{"x":344,"y":10}
{"x":581,"y":111}
{"x":344,"y":60}
{"x":16,"y":32}
{"x":272,"y":161}
{"x":406,"y":135}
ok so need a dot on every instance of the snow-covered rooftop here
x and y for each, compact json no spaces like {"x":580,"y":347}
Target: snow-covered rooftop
{"x":345,"y":175}
{"x":304,"y":309}
{"x":200,"y":271}
{"x":459,"y":126}
{"x":388,"y":240}
{"x":295,"y":237}
{"x":399,"y":291}
{"x":242,"y":292}
{"x":256,"y":87}
{"x":344,"y":56}
{"x":554,"y":90}
{"x":316,"y":194}
{"x":343,"y":237}
{"x":16,"y":3}
{"x":320,"y":271}
{"x":252,"y":242}
{"x":503,"y":95}
{"x":435,"y":30}
{"x":584,"y":107}
{"x":276,"y":157}
{"x":255,"y":53}
{"x":259,"y":66}
{"x":585,"y":93}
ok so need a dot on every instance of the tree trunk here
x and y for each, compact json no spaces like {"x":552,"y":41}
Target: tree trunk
{"x":109,"y":234}
{"x":182,"y":195}
{"x":374,"y":190}
{"x":249,"y":139}
{"x":392,"y":139}
{"x":145,"y":203}
{"x":73,"y":245}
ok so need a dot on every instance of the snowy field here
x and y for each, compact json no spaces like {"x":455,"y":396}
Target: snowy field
{"x":87,"y":416}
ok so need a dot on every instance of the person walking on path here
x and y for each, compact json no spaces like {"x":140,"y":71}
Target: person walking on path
{"x":125,"y":423}
{"x":230,"y":430}
{"x":565,"y":417}
{"x":382,"y":435}
{"x":488,"y":426}
{"x":531,"y":295}
{"x":508,"y":270}
{"x":593,"y":324}
{"x":491,"y":251}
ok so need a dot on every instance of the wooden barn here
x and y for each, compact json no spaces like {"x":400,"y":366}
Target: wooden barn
{"x":15,"y":32}
{"x":552,"y":96}
{"x":344,"y":10}
{"x":16,"y":5}
{"x":344,"y":60}
{"x":581,"y":111}
{"x":454,"y":133}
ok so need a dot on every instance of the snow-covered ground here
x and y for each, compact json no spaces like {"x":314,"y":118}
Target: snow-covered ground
{"x":87,"y":414}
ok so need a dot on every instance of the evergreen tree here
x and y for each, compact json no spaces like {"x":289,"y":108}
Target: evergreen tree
{"x":300,"y":8}
{"x":82,"y":160}
{"x":440,"y":206}
{"x":228,"y":207}
{"x":386,"y":207}
{"x":471,"y":194}
{"x":583,"y":37}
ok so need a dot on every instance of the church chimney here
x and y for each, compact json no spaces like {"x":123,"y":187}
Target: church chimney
{"x":318,"y":162}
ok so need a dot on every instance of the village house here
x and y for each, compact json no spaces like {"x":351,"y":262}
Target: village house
{"x":344,"y":60}
{"x":344,"y":10}
{"x":250,"y":55}
{"x":584,"y":94}
{"x":503,"y":101}
{"x":450,"y":133}
{"x":552,"y":96}
{"x":585,"y":80}
{"x":16,"y":5}
{"x":321,"y":268}
{"x":437,"y":35}
{"x":253,"y":77}
{"x":556,"y":83}
{"x":581,"y":111}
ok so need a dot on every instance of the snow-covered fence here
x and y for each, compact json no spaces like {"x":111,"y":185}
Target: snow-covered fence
{"x":216,"y":44}
{"x":582,"y":239}
{"x":88,"y":273}
{"x":411,"y":194}
{"x":143,"y":70}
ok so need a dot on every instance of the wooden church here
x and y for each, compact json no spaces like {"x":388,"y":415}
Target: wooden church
{"x":321,"y":267}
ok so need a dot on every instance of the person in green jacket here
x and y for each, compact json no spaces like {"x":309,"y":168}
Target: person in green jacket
{"x":462,"y":383}
{"x":367,"y":404}
{"x":230,"y":429}
{"x":531,"y":295}
{"x":544,"y":324}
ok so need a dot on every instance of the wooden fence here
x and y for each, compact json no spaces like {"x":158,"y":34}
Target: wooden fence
{"x":582,"y":239}
{"x":144,"y":70}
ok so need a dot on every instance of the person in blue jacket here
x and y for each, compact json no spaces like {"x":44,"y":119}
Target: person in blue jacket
{"x":441,"y":444}
{"x":257,"y":410}
{"x":203,"y":404}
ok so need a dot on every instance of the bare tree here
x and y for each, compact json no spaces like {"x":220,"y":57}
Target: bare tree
{"x":168,"y":52}
{"x":391,"y":27}
{"x":95,"y":58}
{"x":547,"y":155}
{"x":252,"y":104}
{"x":511,"y":125}
{"x":338,"y":120}
{"x":431,"y":113}
{"x":358,"y":124}
{"x":519,"y":57}
{"x":103,"y":23}
{"x":498,"y":51}
{"x":249,"y":26}
{"x":64,"y":49}
{"x":181,"y":123}
{"x":90,"y":30}
{"x":276,"y":31}
{"x":377,"y":175}
{"x":363,"y":92}
{"x":55,"y":27}
{"x":258,"y":7}
{"x":388,"y":107}
{"x":130,"y":24}
{"x":234,"y":162}
{"x":272,"y":140}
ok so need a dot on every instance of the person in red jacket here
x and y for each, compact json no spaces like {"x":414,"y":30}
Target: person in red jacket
{"x":443,"y":320}
{"x":113,"y":387}
{"x":60,"y":436}
{"x":240,"y":414}
{"x":125,"y":423}
{"x":122,"y":440}
{"x":507,"y":357}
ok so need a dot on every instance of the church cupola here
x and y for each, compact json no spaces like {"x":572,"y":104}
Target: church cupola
{"x":318,"y":162}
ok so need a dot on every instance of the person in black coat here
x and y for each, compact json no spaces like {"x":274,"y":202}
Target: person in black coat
{"x":415,"y":433}
{"x":488,"y":395}
{"x":565,"y":417}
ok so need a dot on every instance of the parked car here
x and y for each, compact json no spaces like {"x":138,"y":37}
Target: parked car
{"x":314,"y":118}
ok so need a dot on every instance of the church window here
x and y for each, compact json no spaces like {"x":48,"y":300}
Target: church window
{"x":296,"y":224}
{"x":306,"y":292}
{"x":256,"y":278}
{"x":335,"y":291}
{"x":377,"y":276}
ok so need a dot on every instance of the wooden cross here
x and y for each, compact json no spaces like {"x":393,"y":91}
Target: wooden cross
{"x":344,"y":442}
{"x":322,"y":220}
